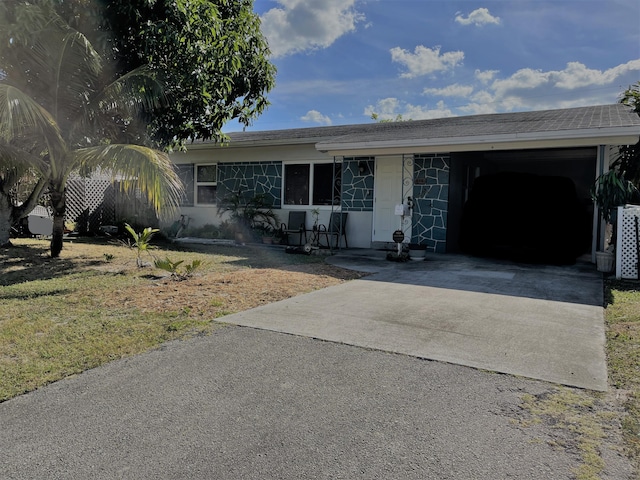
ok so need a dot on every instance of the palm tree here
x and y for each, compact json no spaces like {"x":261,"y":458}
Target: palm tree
{"x":61,"y":111}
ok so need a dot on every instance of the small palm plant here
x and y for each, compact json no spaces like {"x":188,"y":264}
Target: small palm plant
{"x":142,"y":242}
{"x":173,"y":267}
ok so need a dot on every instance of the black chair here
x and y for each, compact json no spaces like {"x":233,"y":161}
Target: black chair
{"x":337,"y":228}
{"x":297,"y":225}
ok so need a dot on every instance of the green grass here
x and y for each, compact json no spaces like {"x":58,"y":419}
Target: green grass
{"x":623,"y":352}
{"x":59,"y":317}
{"x":50,"y":329}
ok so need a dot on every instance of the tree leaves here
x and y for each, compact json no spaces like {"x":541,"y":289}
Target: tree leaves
{"x":211,"y":54}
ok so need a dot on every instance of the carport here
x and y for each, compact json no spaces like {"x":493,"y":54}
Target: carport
{"x":527,"y":205}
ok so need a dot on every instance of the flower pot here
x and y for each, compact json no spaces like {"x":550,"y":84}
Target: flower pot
{"x":417,"y":252}
{"x":604,"y":261}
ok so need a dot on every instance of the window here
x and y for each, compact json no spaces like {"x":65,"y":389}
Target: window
{"x":296,"y":189}
{"x":206,"y":184}
{"x":185,"y":173}
{"x":312,"y":184}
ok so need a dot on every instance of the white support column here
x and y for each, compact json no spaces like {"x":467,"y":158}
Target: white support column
{"x":599,"y":227}
{"x":407,"y":192}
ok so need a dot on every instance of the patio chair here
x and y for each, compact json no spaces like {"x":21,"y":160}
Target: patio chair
{"x":297,"y":225}
{"x":337,"y":228}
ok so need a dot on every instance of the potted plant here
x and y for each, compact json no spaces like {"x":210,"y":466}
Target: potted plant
{"x":266,"y":233}
{"x":610,"y":191}
{"x":417,"y":251}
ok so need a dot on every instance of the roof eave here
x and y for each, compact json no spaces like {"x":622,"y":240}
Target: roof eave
{"x":529,"y":140}
{"x":257,"y":143}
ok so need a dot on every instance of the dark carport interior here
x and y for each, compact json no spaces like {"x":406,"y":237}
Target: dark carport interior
{"x":528,"y":206}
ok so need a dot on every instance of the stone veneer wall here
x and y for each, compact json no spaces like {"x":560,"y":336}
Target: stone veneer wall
{"x":251,"y":178}
{"x":357,"y":187}
{"x":431,"y":201}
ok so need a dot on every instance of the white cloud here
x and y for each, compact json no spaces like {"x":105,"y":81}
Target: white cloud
{"x":478,"y":108}
{"x":483,"y":97}
{"x":578,"y":75}
{"x":575,"y":75}
{"x":529,"y":89}
{"x":303,"y":25}
{"x":425,"y":60}
{"x":523,"y":79}
{"x":391,"y":108}
{"x":478,"y":17}
{"x":454,"y":90}
{"x":315,"y":116}
{"x":485,"y":76}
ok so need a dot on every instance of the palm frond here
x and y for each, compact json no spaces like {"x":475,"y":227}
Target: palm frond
{"x":21,"y":22}
{"x":12,"y":158}
{"x":70,"y":68}
{"x":138,"y":167}
{"x":138,"y":89}
{"x":21,"y":115}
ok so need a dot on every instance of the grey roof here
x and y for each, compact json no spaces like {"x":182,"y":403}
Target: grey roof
{"x":570,"y":119}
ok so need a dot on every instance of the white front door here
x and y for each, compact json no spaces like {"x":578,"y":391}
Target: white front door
{"x":388,"y":194}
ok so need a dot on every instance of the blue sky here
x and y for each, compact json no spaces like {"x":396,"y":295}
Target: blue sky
{"x":339,"y":61}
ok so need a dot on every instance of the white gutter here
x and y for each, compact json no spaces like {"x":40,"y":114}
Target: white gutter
{"x":561,"y":138}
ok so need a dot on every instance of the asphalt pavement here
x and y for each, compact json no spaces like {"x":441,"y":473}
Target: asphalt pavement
{"x":251,"y":404}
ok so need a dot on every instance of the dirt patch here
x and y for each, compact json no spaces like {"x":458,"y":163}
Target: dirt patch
{"x":217,"y":294}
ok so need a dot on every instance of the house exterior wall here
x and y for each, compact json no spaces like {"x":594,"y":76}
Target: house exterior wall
{"x":253,"y":178}
{"x":357,"y":186}
{"x":259,"y":170}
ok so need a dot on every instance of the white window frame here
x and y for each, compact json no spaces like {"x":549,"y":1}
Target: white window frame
{"x":197,"y":183}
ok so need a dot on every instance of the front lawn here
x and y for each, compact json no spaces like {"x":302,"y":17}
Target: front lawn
{"x":59,"y":317}
{"x":622,"y":299}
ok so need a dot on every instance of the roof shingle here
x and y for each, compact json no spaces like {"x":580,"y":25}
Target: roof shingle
{"x":593,"y":117}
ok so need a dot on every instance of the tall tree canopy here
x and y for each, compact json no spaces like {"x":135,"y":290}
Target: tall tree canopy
{"x":211,"y":54}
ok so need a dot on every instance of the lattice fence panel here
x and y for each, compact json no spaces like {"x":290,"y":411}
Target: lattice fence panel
{"x":100,"y":202}
{"x":133,"y":209}
{"x":90,"y":202}
{"x":627,"y":242}
{"x":75,"y":203}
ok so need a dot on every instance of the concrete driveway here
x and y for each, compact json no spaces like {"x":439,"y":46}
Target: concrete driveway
{"x":541,"y":322}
